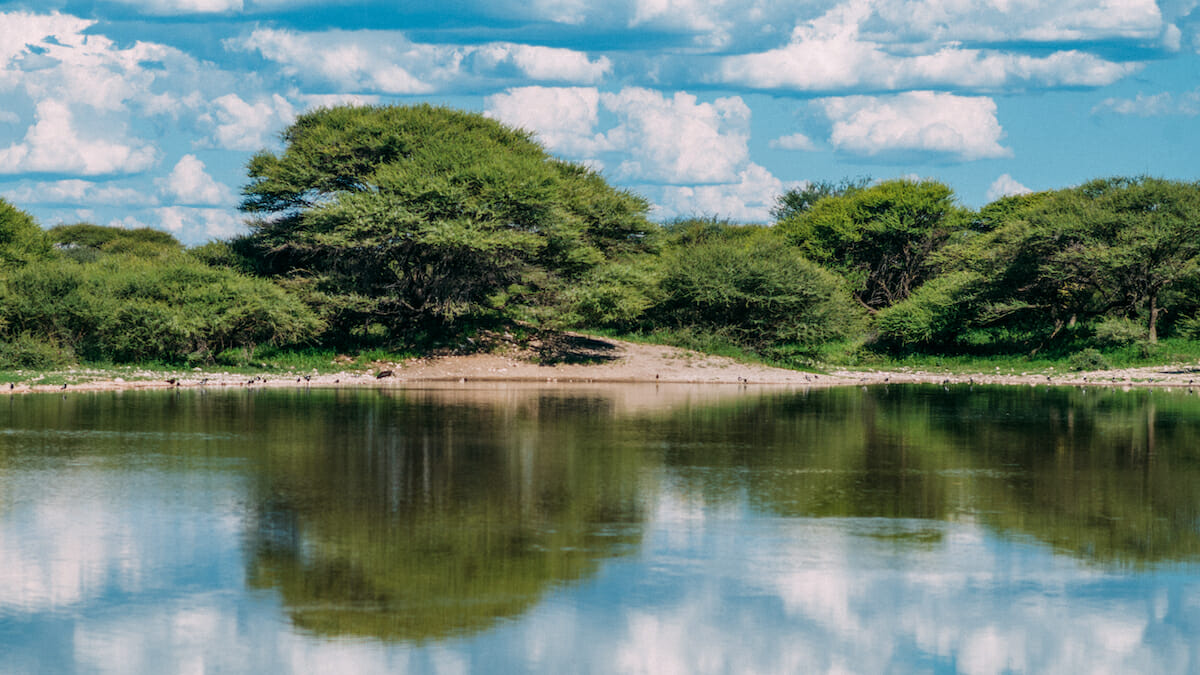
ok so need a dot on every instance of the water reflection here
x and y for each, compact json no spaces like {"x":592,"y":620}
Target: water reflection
{"x":591,"y":530}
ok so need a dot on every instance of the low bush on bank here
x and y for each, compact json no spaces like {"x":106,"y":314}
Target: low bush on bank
{"x":125,"y":308}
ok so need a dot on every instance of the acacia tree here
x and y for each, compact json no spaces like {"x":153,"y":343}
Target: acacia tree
{"x":878,"y":237}
{"x":402,"y":220}
{"x":1143,"y":237}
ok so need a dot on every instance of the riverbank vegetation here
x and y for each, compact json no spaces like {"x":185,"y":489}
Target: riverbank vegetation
{"x":417,"y":229}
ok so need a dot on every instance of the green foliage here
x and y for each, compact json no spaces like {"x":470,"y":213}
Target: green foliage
{"x":1089,"y":359}
{"x":126,"y":308}
{"x":85,"y":242}
{"x":932,"y":315}
{"x":753,"y":288}
{"x":404,"y":220}
{"x":797,"y":201}
{"x":878,"y":237}
{"x":614,"y":295}
{"x":21,"y":240}
{"x":25,"y":352}
{"x":1106,"y":250}
{"x":1111,"y":331}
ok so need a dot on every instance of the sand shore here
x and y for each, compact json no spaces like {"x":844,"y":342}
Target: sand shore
{"x":594,"y":360}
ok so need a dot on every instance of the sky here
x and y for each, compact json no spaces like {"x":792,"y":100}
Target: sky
{"x":144,"y":113}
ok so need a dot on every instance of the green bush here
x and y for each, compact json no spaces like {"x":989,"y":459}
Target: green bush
{"x":127,"y":308}
{"x":1118,"y":332}
{"x":933,"y":316}
{"x":755,"y":290}
{"x":21,"y":240}
{"x":614,"y":295}
{"x":1089,"y":359}
{"x":25,"y":352}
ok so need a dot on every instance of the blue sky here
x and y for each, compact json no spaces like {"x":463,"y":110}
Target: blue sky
{"x":144,"y":112}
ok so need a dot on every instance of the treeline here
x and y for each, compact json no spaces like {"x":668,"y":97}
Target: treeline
{"x":410,"y":228}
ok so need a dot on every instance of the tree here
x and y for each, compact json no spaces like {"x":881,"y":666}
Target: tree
{"x":879,"y":237}
{"x":21,"y":240}
{"x":1143,"y":237}
{"x":403,"y":220}
{"x":799,"y":200}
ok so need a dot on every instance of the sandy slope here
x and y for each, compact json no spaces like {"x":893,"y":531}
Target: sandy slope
{"x":602,"y":360}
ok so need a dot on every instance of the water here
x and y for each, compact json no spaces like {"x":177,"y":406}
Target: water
{"x":634,"y":529}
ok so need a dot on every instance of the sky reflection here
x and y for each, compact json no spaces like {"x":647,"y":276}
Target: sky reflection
{"x":123,"y":561}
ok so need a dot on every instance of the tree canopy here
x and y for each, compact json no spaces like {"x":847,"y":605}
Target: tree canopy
{"x":878,"y":237}
{"x":404,"y":219}
{"x":21,"y":240}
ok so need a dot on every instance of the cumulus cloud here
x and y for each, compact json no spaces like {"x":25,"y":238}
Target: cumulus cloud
{"x":1153,"y":105}
{"x":77,"y":192}
{"x":51,"y":57}
{"x":679,"y":139}
{"x":243,"y":125}
{"x":388,"y":62}
{"x":834,"y":52}
{"x":748,"y":200}
{"x":1006,"y":186}
{"x":960,"y":127}
{"x":188,"y":183}
{"x":796,"y":141}
{"x":564,"y":118}
{"x":54,"y":145}
{"x":192,"y":225}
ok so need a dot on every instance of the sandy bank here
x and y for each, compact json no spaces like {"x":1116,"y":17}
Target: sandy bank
{"x":595,"y":361}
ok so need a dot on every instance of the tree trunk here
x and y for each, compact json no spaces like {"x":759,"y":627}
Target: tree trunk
{"x":1154,"y":318}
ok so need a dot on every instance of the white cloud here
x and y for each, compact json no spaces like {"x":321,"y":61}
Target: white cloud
{"x":748,"y":200}
{"x":833,"y":52}
{"x":679,"y":140}
{"x":168,"y":7}
{"x":388,"y":62}
{"x":796,"y":141}
{"x":241,"y":125}
{"x":1005,"y":186}
{"x":1153,"y":105}
{"x":78,"y":192}
{"x":1021,"y":20}
{"x":192,"y":225}
{"x":54,"y":145}
{"x":188,"y":183}
{"x":922,"y":121}
{"x":50,"y":57}
{"x":564,"y":118}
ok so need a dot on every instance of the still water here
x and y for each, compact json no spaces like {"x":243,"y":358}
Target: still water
{"x":632,"y":529}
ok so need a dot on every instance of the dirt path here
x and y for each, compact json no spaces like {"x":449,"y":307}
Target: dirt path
{"x":581,"y":359}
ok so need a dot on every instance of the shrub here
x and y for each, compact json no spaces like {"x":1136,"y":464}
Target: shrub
{"x":1119,"y":332}
{"x":27,"y":352}
{"x":1089,"y":359}
{"x":614,"y":295}
{"x":125,"y":308}
{"x":933,"y":315}
{"x":755,"y":290}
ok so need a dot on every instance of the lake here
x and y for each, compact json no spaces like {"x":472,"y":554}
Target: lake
{"x":624,"y":528}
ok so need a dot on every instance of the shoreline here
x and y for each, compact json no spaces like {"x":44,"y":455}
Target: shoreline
{"x":600,"y":361}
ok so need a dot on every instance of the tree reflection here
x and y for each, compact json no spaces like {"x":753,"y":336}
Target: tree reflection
{"x":1109,"y":476}
{"x":412,"y":519}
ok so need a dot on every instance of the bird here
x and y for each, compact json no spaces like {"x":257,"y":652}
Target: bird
{"x":64,"y":386}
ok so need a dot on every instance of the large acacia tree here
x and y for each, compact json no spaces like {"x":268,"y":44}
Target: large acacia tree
{"x":402,"y":220}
